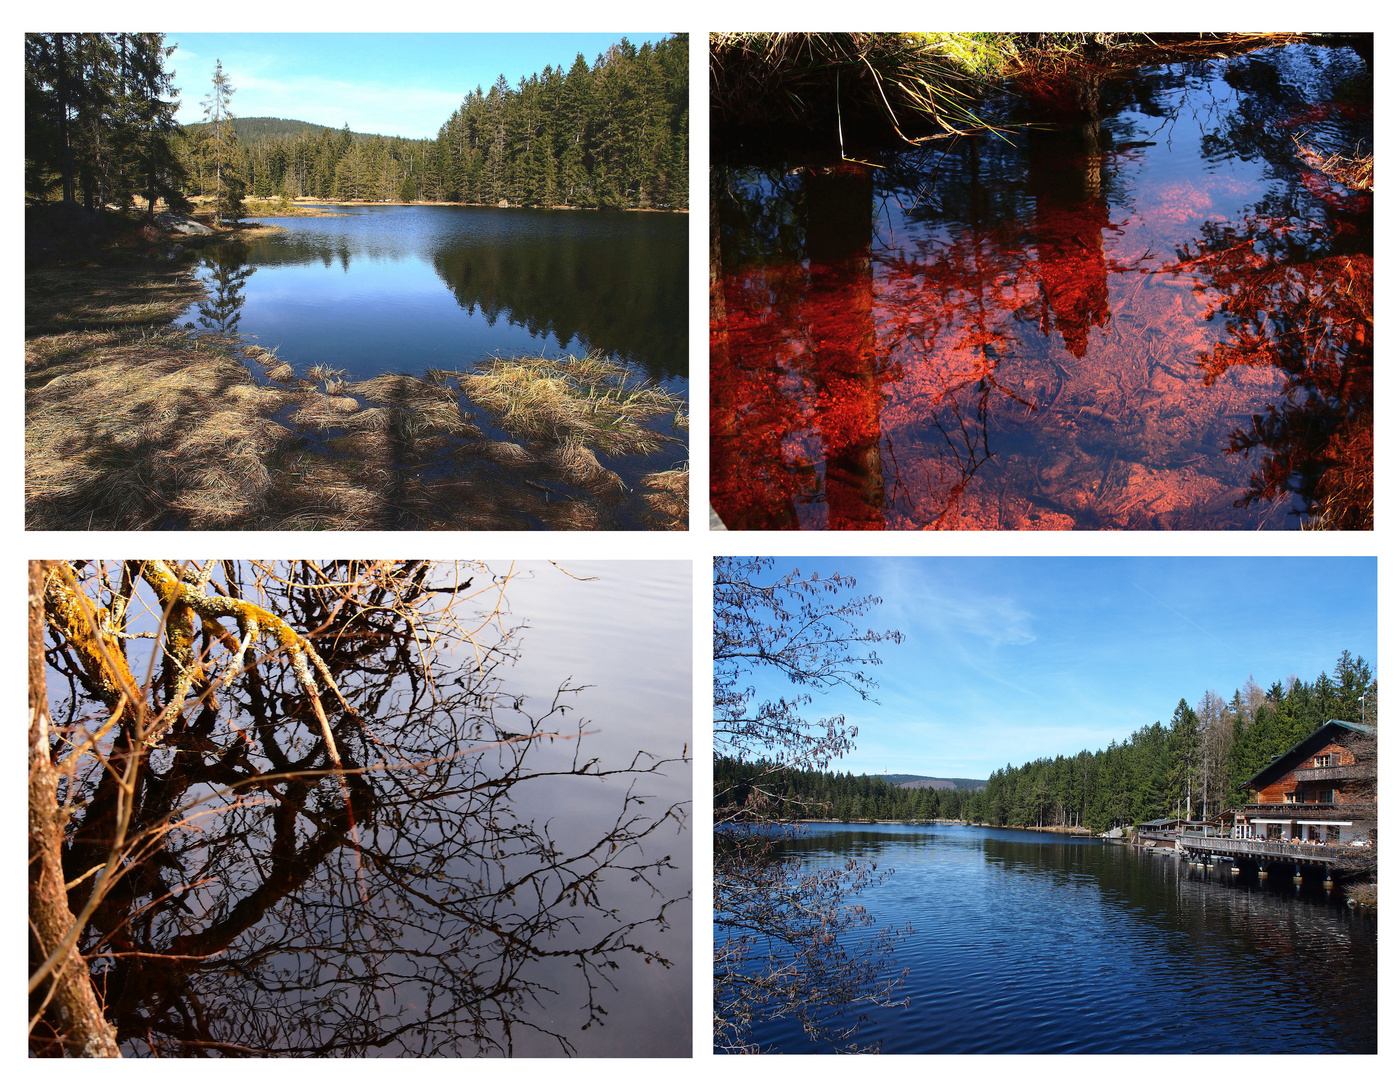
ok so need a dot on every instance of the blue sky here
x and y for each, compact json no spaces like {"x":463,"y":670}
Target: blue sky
{"x":389,"y":84}
{"x":1009,"y":659}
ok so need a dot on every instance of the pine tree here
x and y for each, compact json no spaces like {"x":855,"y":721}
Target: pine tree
{"x":221,"y":148}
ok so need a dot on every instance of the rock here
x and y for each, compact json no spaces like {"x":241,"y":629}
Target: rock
{"x":183,"y":224}
{"x":503,"y":204}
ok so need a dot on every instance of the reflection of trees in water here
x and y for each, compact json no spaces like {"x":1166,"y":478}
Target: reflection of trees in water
{"x":1064,"y":172}
{"x":1309,"y":314}
{"x":827,"y":311}
{"x":422,"y":901}
{"x":226,"y":275}
{"x":1296,"y":286}
{"x":626,"y":299}
{"x":1033,"y":375}
{"x":615,"y":282}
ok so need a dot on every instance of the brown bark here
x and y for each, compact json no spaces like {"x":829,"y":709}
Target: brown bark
{"x":72,"y":1007}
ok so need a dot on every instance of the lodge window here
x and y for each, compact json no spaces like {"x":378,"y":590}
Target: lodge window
{"x":1289,"y":796}
{"x":1274,"y":832}
{"x":1333,"y":834}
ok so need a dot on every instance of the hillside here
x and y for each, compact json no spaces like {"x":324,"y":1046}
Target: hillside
{"x":251,"y":129}
{"x":910,"y":780}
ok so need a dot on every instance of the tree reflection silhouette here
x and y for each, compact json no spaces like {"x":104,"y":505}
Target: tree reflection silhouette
{"x":228,"y":272}
{"x":1064,"y":153}
{"x":423,"y":900}
{"x":1309,"y":314}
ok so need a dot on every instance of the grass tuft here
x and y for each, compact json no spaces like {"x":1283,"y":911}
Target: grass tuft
{"x":586,"y":400}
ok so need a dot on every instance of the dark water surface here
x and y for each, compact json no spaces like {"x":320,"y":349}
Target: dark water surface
{"x":1026,"y":943}
{"x":1139,"y":308}
{"x":492,"y":897}
{"x":407,"y":288}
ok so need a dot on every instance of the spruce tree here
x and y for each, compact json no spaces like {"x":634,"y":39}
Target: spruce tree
{"x":221,"y":148}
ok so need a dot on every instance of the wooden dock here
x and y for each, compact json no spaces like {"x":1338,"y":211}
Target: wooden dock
{"x":1262,"y":850}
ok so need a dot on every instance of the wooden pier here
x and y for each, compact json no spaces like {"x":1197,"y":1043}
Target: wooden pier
{"x":1262,"y":851}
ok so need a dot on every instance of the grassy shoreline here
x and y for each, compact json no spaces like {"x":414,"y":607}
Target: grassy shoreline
{"x":869,"y":88}
{"x":131,"y":423}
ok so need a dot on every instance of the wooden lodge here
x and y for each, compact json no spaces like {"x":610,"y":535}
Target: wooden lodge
{"x":1314,"y":793}
{"x":1313,"y":803}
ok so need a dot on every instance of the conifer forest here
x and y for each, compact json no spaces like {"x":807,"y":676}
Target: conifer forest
{"x":612,"y":134}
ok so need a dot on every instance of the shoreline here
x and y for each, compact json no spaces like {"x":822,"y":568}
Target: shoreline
{"x":304,"y":206}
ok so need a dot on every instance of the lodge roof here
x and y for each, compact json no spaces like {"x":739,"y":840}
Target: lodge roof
{"x":1287,"y":761}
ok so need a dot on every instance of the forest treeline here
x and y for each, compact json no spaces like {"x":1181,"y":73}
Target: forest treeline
{"x":1195,"y":763}
{"x":613,"y":134}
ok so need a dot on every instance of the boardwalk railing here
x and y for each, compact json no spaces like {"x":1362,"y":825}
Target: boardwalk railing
{"x":1262,"y":848}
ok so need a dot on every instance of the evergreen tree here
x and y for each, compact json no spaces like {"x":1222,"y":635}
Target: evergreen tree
{"x":220,"y":147}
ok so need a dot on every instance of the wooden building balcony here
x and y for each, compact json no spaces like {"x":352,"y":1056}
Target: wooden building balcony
{"x":1335,"y":772}
{"x":1313,"y":811}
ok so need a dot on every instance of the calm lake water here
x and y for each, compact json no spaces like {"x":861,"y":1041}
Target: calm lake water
{"x":407,"y":288}
{"x":472,"y":906}
{"x":1141,"y":307}
{"x":1029,"y":944}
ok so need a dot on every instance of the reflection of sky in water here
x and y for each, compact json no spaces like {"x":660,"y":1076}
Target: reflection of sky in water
{"x":1076,"y":946}
{"x":625,"y":636}
{"x":383,"y":308}
{"x":378,"y":315}
{"x":1055,"y":328}
{"x":403,"y":289}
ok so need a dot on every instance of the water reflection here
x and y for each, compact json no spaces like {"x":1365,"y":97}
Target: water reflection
{"x":488,"y":878}
{"x":1035,"y":943}
{"x":1143,"y":309}
{"x":226,"y":275}
{"x":396,"y":452}
{"x":408,"y":288}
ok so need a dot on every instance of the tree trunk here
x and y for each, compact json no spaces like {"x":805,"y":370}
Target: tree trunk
{"x":72,"y":1006}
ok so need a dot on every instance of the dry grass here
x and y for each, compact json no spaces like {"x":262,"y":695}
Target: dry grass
{"x":140,"y":434}
{"x":322,"y":411}
{"x":586,"y":400}
{"x":835,"y":80}
{"x":96,"y":298}
{"x":669,"y":498}
{"x":1356,"y":173}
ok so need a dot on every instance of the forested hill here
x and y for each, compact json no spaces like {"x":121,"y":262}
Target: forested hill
{"x":911,"y":780}
{"x":251,"y":129}
{"x":1197,"y":762}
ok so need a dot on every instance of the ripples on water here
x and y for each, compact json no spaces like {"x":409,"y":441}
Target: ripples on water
{"x":1030,"y":944}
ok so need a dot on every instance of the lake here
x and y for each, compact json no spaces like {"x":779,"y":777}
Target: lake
{"x":408,"y":288}
{"x":419,"y":289}
{"x":1029,"y":943}
{"x":1138,"y":306}
{"x":479,"y":890}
